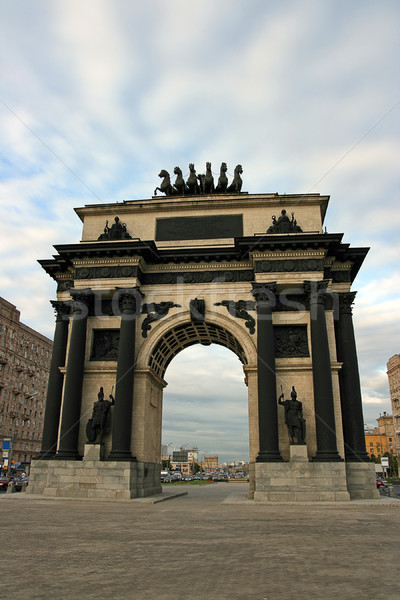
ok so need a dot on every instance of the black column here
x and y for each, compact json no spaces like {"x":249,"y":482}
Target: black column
{"x":71,"y":410}
{"x":55,"y":384}
{"x":130,"y":302}
{"x":264,"y":293}
{"x":322,"y":374}
{"x":349,"y":380}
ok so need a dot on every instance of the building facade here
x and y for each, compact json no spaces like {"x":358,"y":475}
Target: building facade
{"x":210,"y":463}
{"x":382,"y":439}
{"x":223,"y":267}
{"x":393,"y":373}
{"x":24,"y":369}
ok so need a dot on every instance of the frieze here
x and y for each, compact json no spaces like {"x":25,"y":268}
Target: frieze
{"x":107,"y":272}
{"x":291,"y":341}
{"x":341,"y":276}
{"x":197,"y":277}
{"x":289,"y":265}
{"x":64,"y":285}
{"x":105,"y":344}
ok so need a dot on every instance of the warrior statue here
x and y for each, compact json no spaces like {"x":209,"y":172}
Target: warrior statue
{"x":294,"y":420}
{"x":100,"y":422}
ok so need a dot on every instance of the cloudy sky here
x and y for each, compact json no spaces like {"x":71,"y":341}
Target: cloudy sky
{"x":97,"y":96}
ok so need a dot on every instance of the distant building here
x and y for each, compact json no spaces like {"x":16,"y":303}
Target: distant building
{"x":381,"y":439}
{"x":393,"y":373}
{"x":24,"y":369}
{"x":210,"y":463}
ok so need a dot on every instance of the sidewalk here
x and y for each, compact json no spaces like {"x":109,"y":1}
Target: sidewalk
{"x":211,"y":544}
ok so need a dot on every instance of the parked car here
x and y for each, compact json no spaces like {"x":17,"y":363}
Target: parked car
{"x":20,"y":483}
{"x":4,"y":481}
{"x":380,"y":482}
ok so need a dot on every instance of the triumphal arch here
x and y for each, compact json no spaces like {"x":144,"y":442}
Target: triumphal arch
{"x":205,"y":263}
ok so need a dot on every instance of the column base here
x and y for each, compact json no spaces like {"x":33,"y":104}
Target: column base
{"x":327,"y":457}
{"x":45,"y":455}
{"x":269,"y":456}
{"x":360,"y":457}
{"x":67,"y":455}
{"x":121,"y":456}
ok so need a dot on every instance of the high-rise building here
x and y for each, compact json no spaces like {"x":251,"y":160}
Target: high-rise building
{"x":393,"y":373}
{"x":24,"y":369}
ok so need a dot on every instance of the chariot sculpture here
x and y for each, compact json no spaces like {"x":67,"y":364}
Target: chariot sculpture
{"x":199,"y":184}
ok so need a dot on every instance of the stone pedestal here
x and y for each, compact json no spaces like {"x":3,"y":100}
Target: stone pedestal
{"x":93,"y":452}
{"x":116,"y":480}
{"x":300,"y":480}
{"x":298,"y":453}
{"x":361,"y":480}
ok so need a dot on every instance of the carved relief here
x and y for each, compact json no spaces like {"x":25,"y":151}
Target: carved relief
{"x":154,"y":313}
{"x":291,"y":341}
{"x":239,"y":309}
{"x":106,"y":272}
{"x":197,"y":309}
{"x":105,"y":344}
{"x":281,"y":266}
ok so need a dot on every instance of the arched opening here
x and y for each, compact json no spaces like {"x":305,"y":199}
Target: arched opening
{"x":205,"y":404}
{"x":186,"y":334}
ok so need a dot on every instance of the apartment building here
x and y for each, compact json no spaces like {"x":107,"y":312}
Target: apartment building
{"x":24,"y":369}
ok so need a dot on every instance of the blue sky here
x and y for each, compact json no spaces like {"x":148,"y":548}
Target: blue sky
{"x":97,"y":96}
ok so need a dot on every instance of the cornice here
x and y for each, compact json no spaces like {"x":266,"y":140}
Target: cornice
{"x":210,"y":203}
{"x":151,"y":259}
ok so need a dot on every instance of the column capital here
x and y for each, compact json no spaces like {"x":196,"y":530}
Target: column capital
{"x":264,"y":292}
{"x":81,"y":301}
{"x":130,"y":300}
{"x":316,"y":291}
{"x":62,"y":309}
{"x":346,"y":301}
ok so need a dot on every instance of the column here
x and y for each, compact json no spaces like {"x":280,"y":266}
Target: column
{"x":71,"y":410}
{"x":55,"y":383}
{"x":322,"y":374}
{"x":349,"y":381}
{"x":129,"y":302}
{"x":264,"y":293}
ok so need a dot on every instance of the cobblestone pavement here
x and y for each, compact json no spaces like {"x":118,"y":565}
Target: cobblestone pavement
{"x":197,"y":547}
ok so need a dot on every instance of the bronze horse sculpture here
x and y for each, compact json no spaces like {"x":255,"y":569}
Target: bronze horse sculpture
{"x":193,"y":186}
{"x":208,"y":181}
{"x":179,"y":185}
{"x":222,"y":180}
{"x":166,"y":187}
{"x":236,"y":184}
{"x":200,"y":184}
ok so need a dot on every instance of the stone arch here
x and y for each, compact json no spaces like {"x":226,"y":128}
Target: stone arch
{"x":178,"y":332}
{"x":169,"y":337}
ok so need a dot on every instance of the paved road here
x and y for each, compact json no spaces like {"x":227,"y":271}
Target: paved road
{"x":198,"y":547}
